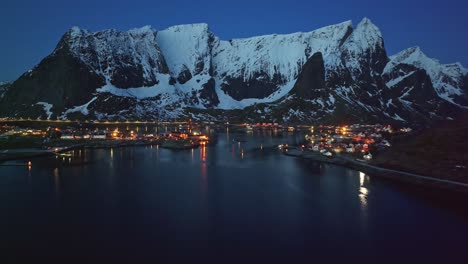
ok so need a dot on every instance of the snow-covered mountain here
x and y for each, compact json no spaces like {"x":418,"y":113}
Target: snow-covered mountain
{"x":447,"y":79}
{"x":338,"y":72}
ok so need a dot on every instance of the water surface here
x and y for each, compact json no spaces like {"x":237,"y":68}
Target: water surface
{"x":224,"y":201}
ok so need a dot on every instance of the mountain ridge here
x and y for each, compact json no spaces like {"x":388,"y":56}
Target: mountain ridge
{"x":146,"y":73}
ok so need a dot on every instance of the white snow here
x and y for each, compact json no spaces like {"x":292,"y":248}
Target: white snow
{"x":275,"y":54}
{"x":227,"y":102}
{"x":406,"y":93}
{"x":389,"y":102}
{"x":365,"y":38}
{"x":442,"y":75}
{"x":47,"y":107}
{"x":140,"y":92}
{"x":81,"y":108}
{"x":320,"y":102}
{"x":397,"y":117}
{"x":184,"y":46}
{"x":169,"y":93}
{"x":406,"y":104}
{"x":397,"y":80}
{"x":114,"y":48}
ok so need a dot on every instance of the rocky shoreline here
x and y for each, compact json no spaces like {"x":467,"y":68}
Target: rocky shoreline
{"x":375,"y":171}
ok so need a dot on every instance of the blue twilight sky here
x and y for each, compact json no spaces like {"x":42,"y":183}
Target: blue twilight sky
{"x":30,"y":29}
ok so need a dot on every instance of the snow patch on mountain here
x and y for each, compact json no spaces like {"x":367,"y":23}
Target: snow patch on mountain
{"x":139,"y":92}
{"x":227,"y":102}
{"x":168,"y":94}
{"x":81,"y":108}
{"x":398,"y":118}
{"x":397,"y":80}
{"x":47,"y":108}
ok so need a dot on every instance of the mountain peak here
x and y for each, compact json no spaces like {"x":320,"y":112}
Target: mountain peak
{"x":368,"y":27}
{"x":141,"y":31}
{"x":365,"y":21}
{"x":366,"y":36}
{"x":76,"y":31}
{"x":411,"y":55}
{"x":416,"y":50}
{"x":196,"y":27}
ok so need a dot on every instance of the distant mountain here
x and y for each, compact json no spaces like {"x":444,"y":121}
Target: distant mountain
{"x":3,"y":88}
{"x":338,"y":73}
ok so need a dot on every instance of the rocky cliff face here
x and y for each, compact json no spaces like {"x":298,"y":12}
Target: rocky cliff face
{"x":338,"y":72}
{"x":4,"y":88}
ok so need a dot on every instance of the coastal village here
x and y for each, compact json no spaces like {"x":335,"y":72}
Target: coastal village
{"x":357,"y":140}
{"x":181,"y":137}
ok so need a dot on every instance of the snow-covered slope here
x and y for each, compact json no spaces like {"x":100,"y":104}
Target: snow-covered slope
{"x":364,"y":50}
{"x":125,"y":59}
{"x":186,"y":47}
{"x":275,"y":54}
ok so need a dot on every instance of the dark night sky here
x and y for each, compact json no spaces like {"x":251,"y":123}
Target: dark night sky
{"x":31,"y":29}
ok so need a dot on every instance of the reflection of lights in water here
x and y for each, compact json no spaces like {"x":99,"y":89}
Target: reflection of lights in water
{"x":56,"y":181}
{"x":192,"y":154}
{"x":204,"y":179}
{"x":112,"y":153}
{"x":363,"y":191}
{"x":203,"y":154}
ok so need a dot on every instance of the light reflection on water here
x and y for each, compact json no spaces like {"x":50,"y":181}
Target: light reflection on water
{"x":56,"y":182}
{"x":363,"y":191}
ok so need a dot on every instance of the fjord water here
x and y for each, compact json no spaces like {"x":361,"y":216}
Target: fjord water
{"x":236,"y":197}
